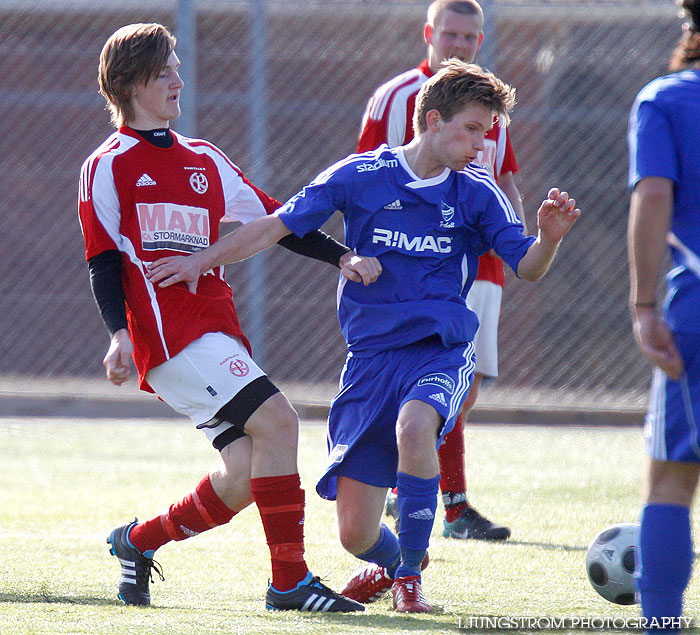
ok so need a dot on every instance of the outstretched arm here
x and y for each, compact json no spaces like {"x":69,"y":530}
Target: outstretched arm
{"x":649,"y":221}
{"x":555,"y":217}
{"x":316,"y":245}
{"x":244,"y":242}
{"x":320,"y":246}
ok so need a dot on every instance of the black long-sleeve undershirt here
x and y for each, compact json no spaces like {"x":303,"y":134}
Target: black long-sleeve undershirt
{"x":108,"y":290}
{"x":317,"y":245}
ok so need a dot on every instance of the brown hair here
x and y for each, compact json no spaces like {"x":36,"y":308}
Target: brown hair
{"x":465,"y":7}
{"x":457,"y":84}
{"x":687,"y":52}
{"x":134,"y":53}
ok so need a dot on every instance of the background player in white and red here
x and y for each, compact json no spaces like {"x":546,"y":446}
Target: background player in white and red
{"x":148,"y":192}
{"x":454,"y":28}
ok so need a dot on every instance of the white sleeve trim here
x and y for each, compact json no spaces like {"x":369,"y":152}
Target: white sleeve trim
{"x":692,"y":261}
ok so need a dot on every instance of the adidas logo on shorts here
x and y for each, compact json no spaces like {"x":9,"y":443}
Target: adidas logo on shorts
{"x":144,"y":179}
{"x":440,"y":398}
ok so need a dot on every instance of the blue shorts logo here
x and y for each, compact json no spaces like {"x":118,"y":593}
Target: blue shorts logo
{"x":439,"y":379}
{"x":337,"y":454}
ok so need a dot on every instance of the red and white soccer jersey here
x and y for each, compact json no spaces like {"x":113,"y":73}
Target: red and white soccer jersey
{"x":388,"y":119}
{"x":148,"y":203}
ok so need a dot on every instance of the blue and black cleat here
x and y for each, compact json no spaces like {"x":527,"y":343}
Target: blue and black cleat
{"x":310,"y":595}
{"x":135,"y":567}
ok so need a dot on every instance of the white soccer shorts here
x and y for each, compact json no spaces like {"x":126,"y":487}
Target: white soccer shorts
{"x":484,"y":298}
{"x":204,"y":376}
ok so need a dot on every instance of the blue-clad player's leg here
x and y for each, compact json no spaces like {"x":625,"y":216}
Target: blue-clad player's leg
{"x":673,"y":441}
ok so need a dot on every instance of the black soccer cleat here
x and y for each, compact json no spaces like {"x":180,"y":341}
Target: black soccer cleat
{"x":471,"y":524}
{"x":391,"y":508}
{"x":312,"y":596}
{"x":135,"y":567}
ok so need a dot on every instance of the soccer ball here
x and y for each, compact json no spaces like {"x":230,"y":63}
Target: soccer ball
{"x":610,"y":562}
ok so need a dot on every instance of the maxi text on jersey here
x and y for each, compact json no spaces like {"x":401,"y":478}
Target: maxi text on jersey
{"x":169,"y":226}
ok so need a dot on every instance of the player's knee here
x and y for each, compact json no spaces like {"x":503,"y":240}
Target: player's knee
{"x":672,"y":483}
{"x":231,"y":488}
{"x":672,"y":491}
{"x":275,"y":419}
{"x":355,"y":536}
{"x":413,"y":432}
{"x":285,"y":423}
{"x":231,"y":481}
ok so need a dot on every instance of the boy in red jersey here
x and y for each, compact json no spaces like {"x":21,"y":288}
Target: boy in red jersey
{"x":146,"y":193}
{"x":453,"y":30}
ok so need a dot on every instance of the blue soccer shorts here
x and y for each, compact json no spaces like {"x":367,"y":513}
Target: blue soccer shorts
{"x":674,"y":408}
{"x":362,"y":419}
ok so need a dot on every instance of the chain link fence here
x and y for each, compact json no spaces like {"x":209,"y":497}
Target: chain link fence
{"x":281,"y":88}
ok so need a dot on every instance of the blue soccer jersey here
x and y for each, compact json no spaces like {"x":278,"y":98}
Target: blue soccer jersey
{"x":664,"y":137}
{"x":428,"y":235}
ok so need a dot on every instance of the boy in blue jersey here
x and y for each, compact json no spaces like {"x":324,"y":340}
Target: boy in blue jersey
{"x":664,"y":175}
{"x":426,"y":216}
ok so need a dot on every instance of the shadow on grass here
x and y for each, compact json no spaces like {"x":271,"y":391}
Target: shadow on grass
{"x":435,"y":622}
{"x":545,"y":545}
{"x":47,"y":597}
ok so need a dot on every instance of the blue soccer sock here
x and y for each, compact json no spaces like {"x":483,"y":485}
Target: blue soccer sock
{"x":385,"y":552}
{"x":666,"y":559}
{"x":417,"y":499}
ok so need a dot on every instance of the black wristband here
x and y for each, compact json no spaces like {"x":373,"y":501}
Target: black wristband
{"x":644,"y":305}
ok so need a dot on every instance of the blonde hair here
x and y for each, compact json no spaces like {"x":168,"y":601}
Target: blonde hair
{"x":134,"y":53}
{"x":457,"y":84}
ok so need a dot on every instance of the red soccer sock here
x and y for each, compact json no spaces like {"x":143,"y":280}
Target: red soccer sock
{"x":199,"y":511}
{"x":280,"y":501}
{"x":453,"y":481}
{"x":454,"y":510}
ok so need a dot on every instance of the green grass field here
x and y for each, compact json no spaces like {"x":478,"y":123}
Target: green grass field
{"x":65,"y":485}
